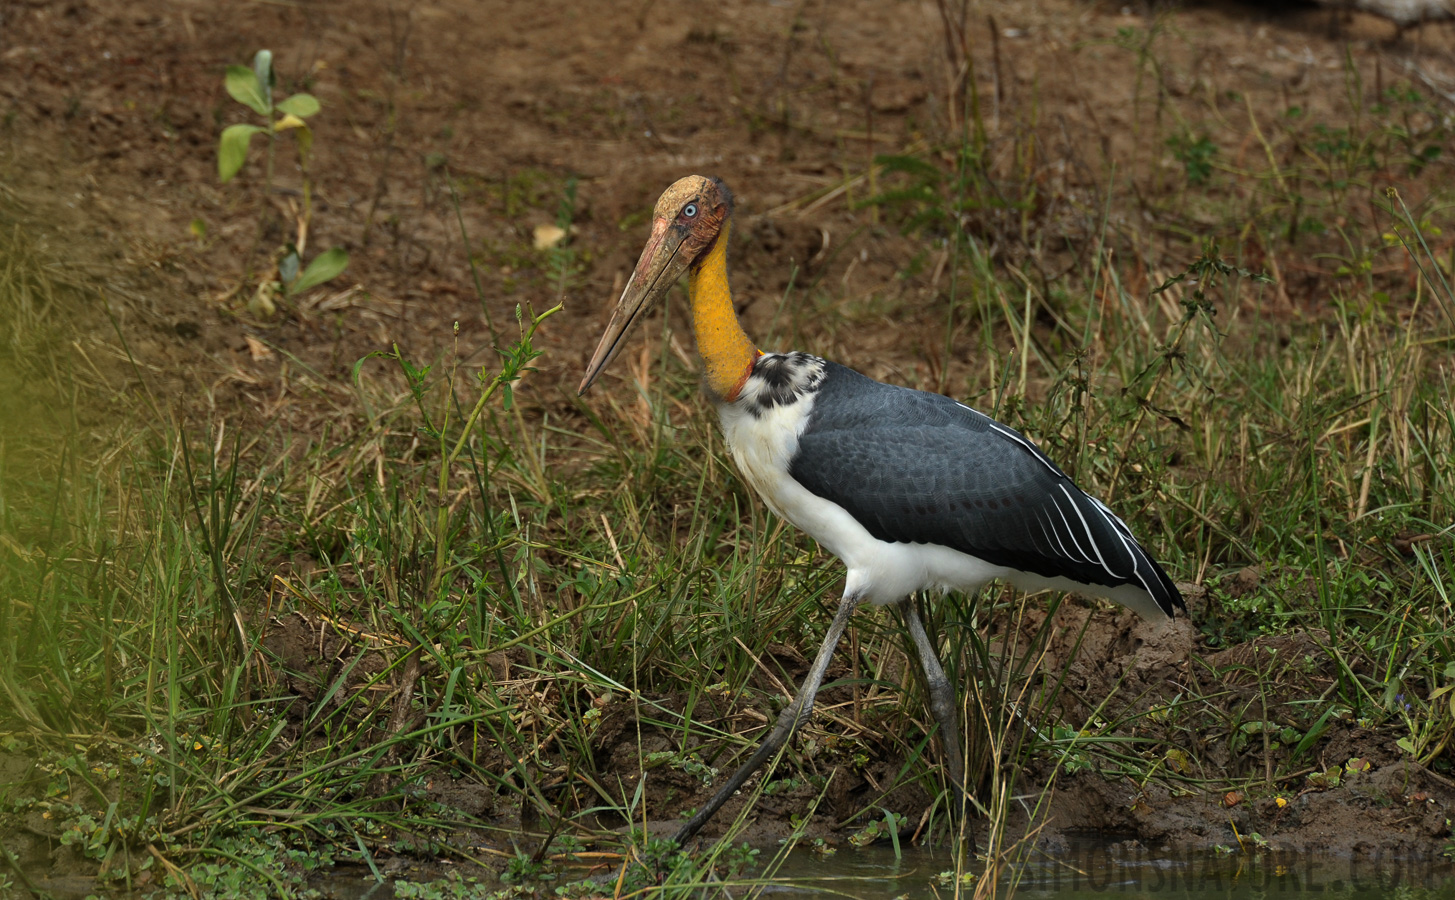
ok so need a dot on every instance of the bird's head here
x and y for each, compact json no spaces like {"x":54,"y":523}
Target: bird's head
{"x":686,"y":221}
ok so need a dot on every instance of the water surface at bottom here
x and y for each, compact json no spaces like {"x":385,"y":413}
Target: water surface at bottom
{"x":1093,"y":868}
{"x":1099,"y":869}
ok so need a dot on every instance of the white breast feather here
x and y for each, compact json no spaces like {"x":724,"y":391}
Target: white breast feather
{"x":763,"y":446}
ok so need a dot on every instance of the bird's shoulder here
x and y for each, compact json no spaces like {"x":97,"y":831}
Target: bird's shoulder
{"x":851,"y":405}
{"x":780,"y":379}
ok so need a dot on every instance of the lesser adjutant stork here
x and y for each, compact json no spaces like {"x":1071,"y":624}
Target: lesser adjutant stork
{"x":911,"y":490}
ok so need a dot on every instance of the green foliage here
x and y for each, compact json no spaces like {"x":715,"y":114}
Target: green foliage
{"x":452,"y":887}
{"x":1196,"y":156}
{"x":685,"y":762}
{"x":521,"y":868}
{"x":232,"y":148}
{"x":249,"y":865}
{"x":326,"y":266}
{"x":253,"y":88}
{"x":919,"y":198}
{"x":879,"y":829}
{"x":740,"y":859}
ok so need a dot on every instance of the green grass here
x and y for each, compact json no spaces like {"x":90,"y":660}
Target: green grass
{"x":228,"y":651}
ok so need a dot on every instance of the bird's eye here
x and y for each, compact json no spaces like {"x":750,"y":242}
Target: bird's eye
{"x":690,"y":210}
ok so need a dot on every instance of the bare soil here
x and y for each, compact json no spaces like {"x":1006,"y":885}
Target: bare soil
{"x":1360,"y":794}
{"x":107,"y":158}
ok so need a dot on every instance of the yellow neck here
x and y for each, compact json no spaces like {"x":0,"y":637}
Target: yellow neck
{"x":727,"y":354}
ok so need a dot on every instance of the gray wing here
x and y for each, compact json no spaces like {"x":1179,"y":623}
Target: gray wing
{"x":917,"y":467}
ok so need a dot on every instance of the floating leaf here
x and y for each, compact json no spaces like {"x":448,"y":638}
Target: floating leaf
{"x":232,"y":149}
{"x":242,"y":86}
{"x":326,"y":265}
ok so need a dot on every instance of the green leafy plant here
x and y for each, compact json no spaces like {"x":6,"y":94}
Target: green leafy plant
{"x":253,"y":88}
{"x":879,"y":829}
{"x":1429,"y":724}
{"x":1196,"y":156}
{"x":521,"y":868}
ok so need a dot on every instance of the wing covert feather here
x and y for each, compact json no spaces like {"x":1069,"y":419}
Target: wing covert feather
{"x":916,"y":467}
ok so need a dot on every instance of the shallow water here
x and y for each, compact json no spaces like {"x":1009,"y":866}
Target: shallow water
{"x":1098,"y":869}
{"x":1084,"y":870}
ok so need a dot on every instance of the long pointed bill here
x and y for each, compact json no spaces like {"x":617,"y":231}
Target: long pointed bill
{"x":661,"y":264}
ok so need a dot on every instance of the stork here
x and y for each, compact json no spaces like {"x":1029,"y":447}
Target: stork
{"x":912,"y":491}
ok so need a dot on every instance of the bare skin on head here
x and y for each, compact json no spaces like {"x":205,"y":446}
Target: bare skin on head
{"x":689,"y":235}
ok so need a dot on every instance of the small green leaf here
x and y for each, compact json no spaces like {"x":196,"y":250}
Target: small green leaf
{"x":325,"y":266}
{"x":1313,"y":734}
{"x":300,"y":105}
{"x":232,"y":149}
{"x":242,"y":86}
{"x":263,"y":68}
{"x":359,"y":363}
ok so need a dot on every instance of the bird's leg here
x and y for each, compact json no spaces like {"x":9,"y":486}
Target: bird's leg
{"x":943,"y":704}
{"x":788,"y":722}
